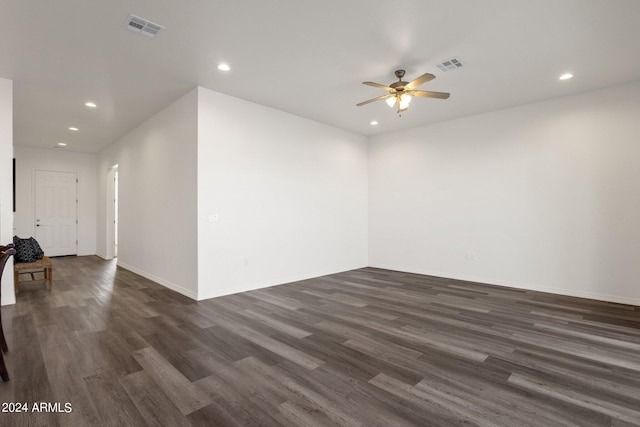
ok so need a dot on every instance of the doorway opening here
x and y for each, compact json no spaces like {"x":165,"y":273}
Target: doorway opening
{"x":112,"y":212}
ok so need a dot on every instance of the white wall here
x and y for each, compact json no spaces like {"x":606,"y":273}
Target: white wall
{"x":543,"y":196}
{"x":6,"y":184}
{"x":157,"y":197}
{"x":290,"y":195}
{"x":30,"y":159}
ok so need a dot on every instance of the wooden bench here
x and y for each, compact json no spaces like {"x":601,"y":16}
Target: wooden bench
{"x":43,"y":265}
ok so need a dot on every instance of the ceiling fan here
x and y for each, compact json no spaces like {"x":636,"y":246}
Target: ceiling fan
{"x":401,"y":92}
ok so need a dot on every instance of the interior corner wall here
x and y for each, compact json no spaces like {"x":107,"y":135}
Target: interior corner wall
{"x":280,"y":198}
{"x":6,"y":184}
{"x":157,"y":233}
{"x":543,"y":196}
{"x":30,"y":159}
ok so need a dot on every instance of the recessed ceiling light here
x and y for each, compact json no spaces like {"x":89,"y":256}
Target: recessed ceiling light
{"x":373,"y":123}
{"x":74,"y":129}
{"x":62,"y":144}
{"x":566,"y":76}
{"x":224,"y":67}
{"x":90,"y":104}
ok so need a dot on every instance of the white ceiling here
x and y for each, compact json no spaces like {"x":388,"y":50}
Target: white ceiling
{"x":301,"y":56}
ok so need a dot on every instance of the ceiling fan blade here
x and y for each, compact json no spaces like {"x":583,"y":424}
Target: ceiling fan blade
{"x":379,"y":98}
{"x":417,"y":82}
{"x":379,"y":85}
{"x":428,"y":94}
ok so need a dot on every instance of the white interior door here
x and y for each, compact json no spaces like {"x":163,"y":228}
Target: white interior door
{"x":56,"y":210}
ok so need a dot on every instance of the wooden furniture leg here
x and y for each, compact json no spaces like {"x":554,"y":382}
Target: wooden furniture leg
{"x":7,"y":251}
{"x":48,"y":274}
{"x":3,"y":370}
{"x":3,"y":341}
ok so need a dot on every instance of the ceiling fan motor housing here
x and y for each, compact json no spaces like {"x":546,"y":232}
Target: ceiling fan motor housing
{"x":399,"y":85}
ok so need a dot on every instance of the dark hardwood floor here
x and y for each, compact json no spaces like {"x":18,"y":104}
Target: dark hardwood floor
{"x":367,"y":347}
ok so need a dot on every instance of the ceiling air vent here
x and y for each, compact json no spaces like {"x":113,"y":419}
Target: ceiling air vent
{"x":450,"y":64}
{"x":143,"y":26}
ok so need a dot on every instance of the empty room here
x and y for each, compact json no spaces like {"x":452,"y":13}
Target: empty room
{"x":305,"y":213}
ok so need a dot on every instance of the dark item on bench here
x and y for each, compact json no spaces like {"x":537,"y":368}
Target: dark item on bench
{"x":27,"y":250}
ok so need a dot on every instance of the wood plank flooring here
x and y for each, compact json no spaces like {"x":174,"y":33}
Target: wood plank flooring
{"x":368,"y":347}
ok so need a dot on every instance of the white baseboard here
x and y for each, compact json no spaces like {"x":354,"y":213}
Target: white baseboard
{"x":186,"y":292}
{"x":9,"y":299}
{"x":526,"y":286}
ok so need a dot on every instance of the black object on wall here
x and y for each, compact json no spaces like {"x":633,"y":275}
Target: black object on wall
{"x":14,"y":185}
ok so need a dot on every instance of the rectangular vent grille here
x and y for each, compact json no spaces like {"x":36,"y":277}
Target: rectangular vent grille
{"x":142,"y":26}
{"x":450,"y":64}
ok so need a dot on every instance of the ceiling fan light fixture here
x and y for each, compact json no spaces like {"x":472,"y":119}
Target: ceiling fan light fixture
{"x":404,"y":101}
{"x":391,"y":101}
